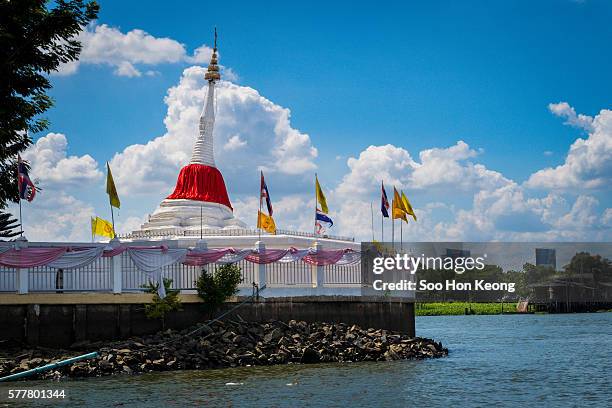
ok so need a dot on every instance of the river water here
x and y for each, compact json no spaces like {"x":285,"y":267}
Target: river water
{"x":502,"y":361}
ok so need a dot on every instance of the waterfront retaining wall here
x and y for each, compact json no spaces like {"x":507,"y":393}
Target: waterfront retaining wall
{"x":53,"y":324}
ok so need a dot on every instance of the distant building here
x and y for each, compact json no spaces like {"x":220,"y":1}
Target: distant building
{"x":546,"y":257}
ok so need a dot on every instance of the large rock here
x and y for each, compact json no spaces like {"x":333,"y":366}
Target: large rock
{"x":309,"y":356}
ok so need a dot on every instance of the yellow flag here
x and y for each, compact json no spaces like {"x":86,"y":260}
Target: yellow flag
{"x":110,"y":188}
{"x":398,"y":211}
{"x":407,"y":206}
{"x":321,"y":197}
{"x":102,"y":228}
{"x":266,"y":222}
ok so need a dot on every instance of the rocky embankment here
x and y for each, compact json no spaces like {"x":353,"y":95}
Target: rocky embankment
{"x":230,"y":344}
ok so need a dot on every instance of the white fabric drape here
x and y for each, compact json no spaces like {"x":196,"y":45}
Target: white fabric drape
{"x":77,"y":258}
{"x":294,"y":256}
{"x":350,"y":258}
{"x":151,"y":262}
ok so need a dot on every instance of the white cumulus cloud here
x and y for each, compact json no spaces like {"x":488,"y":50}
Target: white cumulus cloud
{"x":438,"y":168}
{"x":588,"y":164}
{"x":266,"y":139}
{"x":56,"y":216}
{"x":51,"y":164}
{"x":235,"y":143}
{"x":444,"y":167}
{"x":106,"y":45}
{"x":501,"y":208}
{"x":583,"y":214}
{"x":564,"y":110}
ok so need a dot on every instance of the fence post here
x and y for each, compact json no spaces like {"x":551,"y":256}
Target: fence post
{"x":318,"y":274}
{"x":22,"y":273}
{"x":116,"y":267}
{"x":261,"y":268}
{"x":201,"y":245}
{"x":22,"y":281}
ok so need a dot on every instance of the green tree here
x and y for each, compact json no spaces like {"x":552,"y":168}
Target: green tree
{"x":585,"y":263}
{"x":159,"y":307}
{"x":537,"y":273}
{"x":35,"y":39}
{"x":519,"y":278}
{"x":214,"y":289}
{"x":7,"y":226}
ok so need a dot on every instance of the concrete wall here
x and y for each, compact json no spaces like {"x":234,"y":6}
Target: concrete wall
{"x":60,"y":325}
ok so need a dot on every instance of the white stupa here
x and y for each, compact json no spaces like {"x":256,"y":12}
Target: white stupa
{"x":200,"y":199}
{"x":200,"y":207}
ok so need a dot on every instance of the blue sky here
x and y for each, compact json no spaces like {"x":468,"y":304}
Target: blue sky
{"x":414,"y":75}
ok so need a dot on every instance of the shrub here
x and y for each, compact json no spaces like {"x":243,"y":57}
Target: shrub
{"x":159,"y":307}
{"x":214,"y":289}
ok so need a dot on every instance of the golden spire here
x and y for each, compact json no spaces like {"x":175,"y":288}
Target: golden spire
{"x":213,"y":69}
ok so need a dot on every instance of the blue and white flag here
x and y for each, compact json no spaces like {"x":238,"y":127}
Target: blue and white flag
{"x":384,"y":202}
{"x":323,"y":221}
{"x":27,"y":189}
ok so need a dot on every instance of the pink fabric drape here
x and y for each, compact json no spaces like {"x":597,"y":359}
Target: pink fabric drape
{"x":122,"y":248}
{"x":115,"y":251}
{"x":324,"y":257}
{"x":30,"y":257}
{"x":267,"y":256}
{"x":199,"y":258}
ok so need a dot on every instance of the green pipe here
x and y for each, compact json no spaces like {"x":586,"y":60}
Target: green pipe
{"x":48,"y":367}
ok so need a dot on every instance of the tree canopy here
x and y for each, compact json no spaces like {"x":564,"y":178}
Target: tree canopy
{"x":584,"y":262}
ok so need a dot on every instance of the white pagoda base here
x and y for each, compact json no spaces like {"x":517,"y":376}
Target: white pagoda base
{"x":191,"y":215}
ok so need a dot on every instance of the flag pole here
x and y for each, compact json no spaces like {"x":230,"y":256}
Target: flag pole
{"x":372,"y":212}
{"x":20,"y":219}
{"x":110,"y":198}
{"x":201,"y":222}
{"x":316,"y":205}
{"x":401,"y":237}
{"x":112,"y":218}
{"x":19,"y":194}
{"x":259,"y":213}
{"x":382,"y":218}
{"x":392,"y":223}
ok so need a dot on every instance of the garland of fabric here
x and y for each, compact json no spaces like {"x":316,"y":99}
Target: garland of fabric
{"x":151,"y":258}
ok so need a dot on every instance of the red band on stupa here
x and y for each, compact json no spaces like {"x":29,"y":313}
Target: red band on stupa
{"x":201,"y":183}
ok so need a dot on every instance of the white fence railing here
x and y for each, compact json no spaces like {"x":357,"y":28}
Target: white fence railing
{"x":120,"y":274}
{"x":230,"y":232}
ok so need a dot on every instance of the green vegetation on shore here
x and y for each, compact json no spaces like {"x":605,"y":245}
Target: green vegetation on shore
{"x":459,"y":308}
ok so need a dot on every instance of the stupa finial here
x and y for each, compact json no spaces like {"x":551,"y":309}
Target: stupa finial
{"x":203,"y":152}
{"x":213,"y":74}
